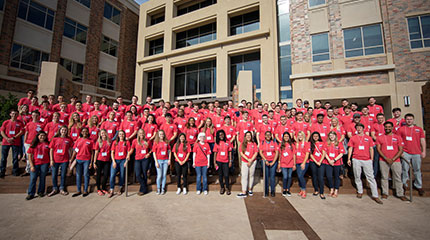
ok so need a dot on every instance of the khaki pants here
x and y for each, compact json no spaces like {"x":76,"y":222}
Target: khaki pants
{"x":396,"y":169}
{"x":367,"y":167}
{"x":247,"y":175}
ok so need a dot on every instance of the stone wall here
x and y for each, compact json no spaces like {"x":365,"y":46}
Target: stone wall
{"x":351,"y":80}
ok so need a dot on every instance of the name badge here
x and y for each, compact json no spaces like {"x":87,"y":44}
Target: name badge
{"x":299,"y":154}
{"x":76,"y":150}
{"x":39,"y":156}
{"x":269,"y":153}
{"x":222,"y":153}
{"x":191,"y":137}
{"x":181,"y":155}
{"x":228,"y":136}
{"x":322,"y":134}
{"x":74,"y":134}
{"x":142,"y":151}
{"x":60,"y":151}
{"x":109,"y":131}
{"x":209,"y":138}
{"x":127,"y":130}
{"x":218,"y":125}
{"x":244,"y":131}
{"x":331,"y":155}
{"x":38,"y":128}
{"x":148,"y":135}
{"x":163,"y":152}
{"x":317,"y":154}
{"x":379,"y":134}
{"x":408,"y":138}
{"x":260,"y":121}
{"x":61,"y":120}
{"x":104,"y":154}
{"x":179,"y":125}
{"x":285,"y":154}
{"x":372,"y":115}
{"x":360,"y":147}
{"x":93,"y":133}
{"x":42,"y":120}
{"x":121,"y":154}
{"x":390,"y":148}
{"x":247,"y":153}
{"x":12,"y":132}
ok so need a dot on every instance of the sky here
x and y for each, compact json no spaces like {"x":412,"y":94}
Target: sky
{"x":140,"y":1}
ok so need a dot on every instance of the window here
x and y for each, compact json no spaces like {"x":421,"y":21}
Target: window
{"x":365,"y":40}
{"x":107,"y":80}
{"x":157,"y":18}
{"x":1,"y":5}
{"x":36,"y":13}
{"x":156,"y":46}
{"x":75,"y":31}
{"x":196,"y":35}
{"x":109,"y":46}
{"x":86,"y":3}
{"x":419,"y":31}
{"x":75,"y":68}
{"x":154,"y":84}
{"x":195,"y":79}
{"x":27,"y":58}
{"x":245,"y":23}
{"x":287,"y":94}
{"x":285,"y":65}
{"x":320,"y":49}
{"x":250,"y":61}
{"x":313,"y":3}
{"x":192,"y":6}
{"x":112,"y":13}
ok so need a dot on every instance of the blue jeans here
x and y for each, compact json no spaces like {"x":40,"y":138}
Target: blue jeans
{"x":286,"y":178}
{"x":141,"y":171}
{"x":113,"y":171}
{"x":315,"y":169}
{"x":41,"y":171}
{"x":55,"y":168}
{"x":270,"y":177}
{"x":327,"y":170}
{"x":5,"y":154}
{"x":161,"y":174}
{"x":375,"y":162}
{"x":301,"y":175}
{"x":202,"y":172}
{"x":82,"y":167}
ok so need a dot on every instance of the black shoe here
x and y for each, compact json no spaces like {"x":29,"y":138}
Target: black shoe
{"x":16,"y":174}
{"x":315,"y":194}
{"x":272,"y":194}
{"x":76,"y":194}
{"x":2,"y":175}
{"x":29,"y":197}
{"x":222,"y":191}
{"x":228,"y":192}
{"x":41,"y":195}
{"x":85,"y":194}
{"x":25,"y":174}
{"x":322,"y":197}
{"x":284,"y":193}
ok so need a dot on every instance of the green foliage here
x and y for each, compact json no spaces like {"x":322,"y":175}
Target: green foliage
{"x":6,"y":104}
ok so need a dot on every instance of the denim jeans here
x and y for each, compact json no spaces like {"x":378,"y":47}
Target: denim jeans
{"x":375,"y":162}
{"x":286,"y":178}
{"x":82,"y":167}
{"x":336,"y":173}
{"x":5,"y":154}
{"x":202,"y":173}
{"x":326,"y":170}
{"x":40,"y":171}
{"x":55,"y":168}
{"x":415,"y":159}
{"x":113,"y":171}
{"x":315,"y":176}
{"x":223,"y":174}
{"x":161,"y":174}
{"x":141,"y":171}
{"x":270,"y":177}
{"x":301,"y":175}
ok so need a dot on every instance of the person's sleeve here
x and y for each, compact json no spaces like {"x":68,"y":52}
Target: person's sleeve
{"x":351,"y":142}
{"x":51,"y":144}
{"x":215,"y":148}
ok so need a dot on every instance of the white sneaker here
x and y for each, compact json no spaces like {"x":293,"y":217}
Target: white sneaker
{"x":198,"y":192}
{"x":178,"y":191}
{"x":184,"y":191}
{"x":163,"y":192}
{"x":158,"y":192}
{"x":205,"y":192}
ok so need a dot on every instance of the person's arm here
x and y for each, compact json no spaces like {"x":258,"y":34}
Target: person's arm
{"x":91,"y":160}
{"x":423,"y":147}
{"x":209,"y":157}
{"x":308,"y":135}
{"x":194,"y":160}
{"x":278,"y":138}
{"x":276,"y":158}
{"x":258,"y":139}
{"x":294,"y":161}
{"x":51,"y":157}
{"x":244,"y":156}
{"x":174,"y":136}
{"x":372,"y":153}
{"x":31,"y":161}
{"x":349,"y":155}
{"x":342,"y":137}
{"x":132,"y":136}
{"x":230,"y":159}
{"x":170,"y":157}
{"x":399,"y":153}
{"x":378,"y":148}
{"x":155,"y":160}
{"x":349,"y":134}
{"x":25,"y":136}
{"x":303,"y":165}
{"x":322,"y":158}
{"x":215,"y":156}
{"x":96,"y":155}
{"x":372,"y":134}
{"x":185,"y":159}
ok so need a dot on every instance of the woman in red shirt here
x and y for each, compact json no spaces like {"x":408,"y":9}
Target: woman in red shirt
{"x":269,"y":153}
{"x":317,"y":156}
{"x":286,"y":153}
{"x":201,"y":156}
{"x":161,"y":153}
{"x":301,"y":160}
{"x":82,"y":158}
{"x":181,"y":152}
{"x":93,"y":128}
{"x":110,"y":126}
{"x":102,"y":161}
{"x":150,"y":128}
{"x":248,"y":154}
{"x":60,"y":155}
{"x":222,"y":150}
{"x":119,"y":150}
{"x":52,"y":128}
{"x":75,"y":126}
{"x":38,"y":155}
{"x":141,"y":164}
{"x":191,"y":131}
{"x":334,"y":152}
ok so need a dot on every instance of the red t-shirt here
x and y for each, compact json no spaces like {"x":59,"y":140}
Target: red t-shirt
{"x":82,"y":115}
{"x":361,"y":147}
{"x":334,"y":151}
{"x":243,"y":127}
{"x":94,"y":133}
{"x":262,"y":129}
{"x":150,"y":130}
{"x":375,"y":109}
{"x":169,"y":129}
{"x":120,"y":149}
{"x":64,"y":118}
{"x":141,"y":150}
{"x":301,"y":150}
{"x":378,"y":129}
{"x":269,"y":149}
{"x":40,"y":153}
{"x":322,"y":129}
{"x":118,"y":116}
{"x":110,"y":127}
{"x":389,"y":145}
{"x":99,"y":114}
{"x":104,"y":151}
{"x":51,"y":129}
{"x":11,"y":129}
{"x":300,"y":126}
{"x":201,"y":151}
{"x":230,"y":132}
{"x":129,"y":127}
{"x":161,"y":150}
{"x":218,"y":121}
{"x":74,"y":132}
{"x":60,"y":147}
{"x":319,"y":111}
{"x":286,"y":156}
{"x":351,"y":129}
{"x":346,"y":121}
{"x":280,"y":129}
{"x":339,"y":131}
{"x":411,"y":137}
{"x":83,"y":147}
{"x":32,"y":128}
{"x":251,"y":149}
{"x":222,"y":149}
{"x":191,"y":134}
{"x":45,"y":116}
{"x":180,"y":123}
{"x":397,"y":124}
{"x":210,"y":138}
{"x":181,"y":153}
{"x":23,"y":101}
{"x":318,"y":151}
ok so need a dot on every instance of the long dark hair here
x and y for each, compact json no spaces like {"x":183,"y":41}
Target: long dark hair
{"x":36,"y":141}
{"x":188,"y":125}
{"x":117,"y":139}
{"x":218,"y":134}
{"x":153,"y":122}
{"x":58,"y":134}
{"x":245,"y":142}
{"x":283,"y":143}
{"x":178,"y":142}
{"x":313,"y":141}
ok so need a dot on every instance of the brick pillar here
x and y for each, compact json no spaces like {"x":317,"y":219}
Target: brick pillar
{"x":426,"y":106}
{"x":57,"y":36}
{"x":91,"y":68}
{"x":7,"y":30}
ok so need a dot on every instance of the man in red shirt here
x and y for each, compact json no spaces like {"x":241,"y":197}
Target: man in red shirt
{"x":26,"y":100}
{"x":31,"y":130}
{"x":129,"y":126}
{"x":299,"y":107}
{"x":377,"y":129}
{"x":374,"y":108}
{"x":83,"y":115}
{"x":300,"y":125}
{"x":352,"y":130}
{"x":97,"y":112}
{"x":11,"y":131}
{"x":414,"y":151}
{"x":397,"y":119}
{"x":88,"y":105}
{"x":263,"y":128}
{"x":360,"y":151}
{"x":322,"y":128}
{"x":318,"y":108}
{"x":390,"y":148}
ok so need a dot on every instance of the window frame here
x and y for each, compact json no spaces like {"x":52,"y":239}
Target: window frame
{"x":110,"y":43}
{"x":318,"y":5}
{"x":213,"y":79}
{"x":319,"y":54}
{"x":2,"y":7}
{"x":20,"y":62}
{"x":156,"y":16}
{"x":243,"y":23}
{"x":198,"y":37}
{"x":107,"y":77}
{"x":46,"y":13}
{"x":111,"y":14}
{"x":83,"y":4}
{"x":74,"y":65}
{"x":151,"y":49}
{"x":76,"y":27}
{"x":152,"y":83}
{"x":363,"y":48}
{"x":188,"y":5}
{"x":422,"y":39}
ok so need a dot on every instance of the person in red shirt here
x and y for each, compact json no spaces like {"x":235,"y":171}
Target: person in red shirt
{"x":299,"y":106}
{"x":24,"y":116}
{"x":191,"y":131}
{"x":34,"y":105}
{"x":142,"y":149}
{"x":282,"y":128}
{"x":397,"y":119}
{"x":318,"y":109}
{"x":45,"y":113}
{"x":332,"y":163}
{"x":11,"y":132}
{"x":38,"y":155}
{"x":361,"y":152}
{"x":201,"y":156}
{"x":150,"y":128}
{"x":181,"y":153}
{"x":210,"y":131}
{"x":64,"y":115}
{"x":180,"y":121}
{"x":366,"y":119}
{"x":31,"y":130}
{"x":26,"y":100}
{"x":118,"y":113}
{"x":88,"y":106}
{"x":194,"y":113}
{"x":346,"y":118}
{"x":414,"y":151}
{"x":244,"y":126}
{"x":352,"y":130}
{"x":339,"y":130}
{"x":286,"y":162}
{"x":129,"y":126}
{"x":59,"y":155}
{"x":134,"y":113}
{"x":390,"y":148}
{"x":110,"y":126}
{"x":301,"y":161}
{"x":102,"y":161}
{"x":82,"y":114}
{"x":248,"y":154}
{"x":300,"y":125}
{"x":104,"y":107}
{"x":377,"y":129}
{"x":161,"y":153}
{"x":71,"y":106}
{"x":134,"y":100}
{"x":317,"y":157}
{"x":262,"y":128}
{"x":223,"y":156}
{"x":93,"y":128}
{"x":269,"y":153}
{"x":321,"y":127}
{"x":170,"y":129}
{"x":120,"y":158}
{"x":374,"y":108}
{"x":75,"y":126}
{"x":82,"y":158}
{"x":97,"y":112}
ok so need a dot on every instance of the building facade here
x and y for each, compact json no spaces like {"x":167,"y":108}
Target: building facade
{"x":95,"y":40}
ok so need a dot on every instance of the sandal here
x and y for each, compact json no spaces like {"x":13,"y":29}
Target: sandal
{"x":100,"y":192}
{"x":54,"y":192}
{"x":64,"y":193}
{"x":110,"y":194}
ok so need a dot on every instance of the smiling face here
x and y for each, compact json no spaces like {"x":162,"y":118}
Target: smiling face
{"x":85,"y":132}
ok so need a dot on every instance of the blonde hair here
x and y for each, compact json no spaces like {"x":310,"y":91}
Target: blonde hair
{"x":100,"y":138}
{"x":141,"y":141}
{"x":90,"y":124}
{"x":157,"y":137}
{"x":336,"y":141}
{"x":72,"y":121}
{"x":212,"y":129}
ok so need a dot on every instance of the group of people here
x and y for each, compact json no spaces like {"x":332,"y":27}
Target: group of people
{"x":211,"y":137}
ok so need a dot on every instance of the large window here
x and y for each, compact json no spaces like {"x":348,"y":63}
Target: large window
{"x":196,"y":35}
{"x":112,"y":13}
{"x":245,"y":23}
{"x":250,"y":61}
{"x":195,"y":79}
{"x":154,"y":84}
{"x":77,"y":69}
{"x":27,"y":58}
{"x":109,"y":46}
{"x":36,"y":13}
{"x":107,"y":80}
{"x":285,"y":65}
{"x":363,"y":41}
{"x":313,"y":3}
{"x":2,"y":5}
{"x":157,"y":18}
{"x":419,"y":31}
{"x":75,"y":31}
{"x":86,"y":3}
{"x":193,"y":6}
{"x":156,"y":46}
{"x":320,"y":49}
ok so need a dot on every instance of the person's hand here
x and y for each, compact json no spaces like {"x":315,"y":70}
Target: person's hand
{"x":51,"y":164}
{"x":249,"y":164}
{"x":194,"y":165}
{"x":267,"y":163}
{"x":114,"y":164}
{"x":278,"y":169}
{"x":147,"y":155}
{"x":157,"y":165}
{"x":216,"y":165}
{"x":90,"y":166}
{"x":302,"y":166}
{"x":9,"y":140}
{"x":294,"y":167}
{"x":229,"y":164}
{"x":349,"y":163}
{"x":95,"y":166}
{"x":127,"y":158}
{"x":168,"y":163}
{"x":423,"y":154}
{"x":33,"y":169}
{"x":331,"y":162}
